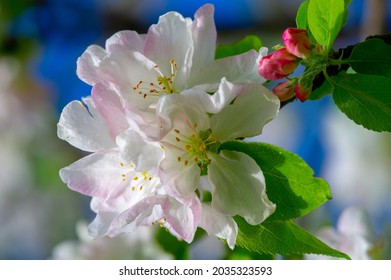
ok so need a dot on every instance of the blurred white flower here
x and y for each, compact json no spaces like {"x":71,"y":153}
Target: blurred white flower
{"x":29,"y":152}
{"x":357,"y":166}
{"x":353,"y":235}
{"x":138,"y":245}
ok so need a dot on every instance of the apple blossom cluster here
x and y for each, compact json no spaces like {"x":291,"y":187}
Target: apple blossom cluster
{"x":283,"y":62}
{"x":159,"y":109}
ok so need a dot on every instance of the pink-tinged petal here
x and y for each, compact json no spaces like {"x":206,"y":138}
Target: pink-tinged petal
{"x":252,"y":109}
{"x":218,"y":224}
{"x":96,"y":175}
{"x":143,"y":154}
{"x":84,"y":128}
{"x":109,"y":105}
{"x":179,"y":176}
{"x":101,"y":224}
{"x":127,"y":68}
{"x":113,"y":184}
{"x":124,"y":67}
{"x":238,"y":187}
{"x":127,"y":39}
{"x":204,"y":37}
{"x":242,"y":68}
{"x":171,"y":39}
{"x":144,"y":122}
{"x":88,"y":65}
{"x":183,"y":216}
{"x":179,"y":218}
{"x":131,"y":192}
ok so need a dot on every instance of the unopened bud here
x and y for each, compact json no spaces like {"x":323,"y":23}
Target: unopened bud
{"x":277,"y":65}
{"x":303,"y":90}
{"x":285,"y":90}
{"x":297,"y":42}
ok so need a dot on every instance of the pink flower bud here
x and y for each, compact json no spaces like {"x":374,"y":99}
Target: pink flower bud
{"x":285,"y":90}
{"x":302,"y":91}
{"x":277,"y":65}
{"x":297,"y":42}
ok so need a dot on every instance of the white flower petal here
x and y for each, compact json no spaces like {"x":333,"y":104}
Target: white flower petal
{"x":204,"y":37}
{"x":221,"y":98}
{"x":94,"y":175}
{"x":242,"y":68}
{"x":108,"y":103}
{"x":252,"y":109}
{"x":179,"y":218}
{"x":128,"y":39}
{"x":218,"y":224}
{"x":143,"y":154}
{"x":171,"y":39}
{"x":84,"y":128}
{"x":101,"y":224}
{"x":182,"y":111}
{"x":177,"y":178}
{"x":123,"y":67}
{"x":238,"y":187}
{"x":88,"y":65}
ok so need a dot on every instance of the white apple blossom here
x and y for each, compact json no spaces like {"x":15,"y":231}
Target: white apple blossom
{"x":195,"y":124}
{"x":124,"y":197}
{"x":175,"y":54}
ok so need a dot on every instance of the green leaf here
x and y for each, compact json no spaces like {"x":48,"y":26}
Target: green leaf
{"x":301,"y":17}
{"x":281,"y":237}
{"x":289,"y":180}
{"x":325,"y":20}
{"x":365,"y":99}
{"x":240,"y":253}
{"x":371,"y":57}
{"x":250,"y":42}
{"x":325,"y":89}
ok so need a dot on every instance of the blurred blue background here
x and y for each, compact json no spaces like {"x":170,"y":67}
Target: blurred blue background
{"x":40,"y":42}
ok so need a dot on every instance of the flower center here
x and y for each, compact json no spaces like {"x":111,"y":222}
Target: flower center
{"x":195,"y":147}
{"x":138,"y":180}
{"x":163,"y":85}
